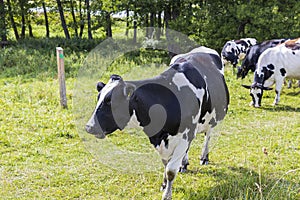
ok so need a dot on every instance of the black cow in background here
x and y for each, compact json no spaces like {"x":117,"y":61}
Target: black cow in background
{"x":252,"y":55}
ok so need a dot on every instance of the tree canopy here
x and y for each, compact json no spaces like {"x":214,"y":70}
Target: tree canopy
{"x":210,"y":23}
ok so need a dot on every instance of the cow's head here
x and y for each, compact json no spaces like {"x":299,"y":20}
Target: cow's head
{"x":256,"y":92}
{"x":112,"y":111}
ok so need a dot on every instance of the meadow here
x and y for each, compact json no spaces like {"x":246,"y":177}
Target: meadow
{"x":255,"y":154}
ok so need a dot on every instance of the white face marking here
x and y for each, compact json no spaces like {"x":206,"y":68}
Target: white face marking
{"x":180,"y":80}
{"x":255,"y":92}
{"x":105,"y":90}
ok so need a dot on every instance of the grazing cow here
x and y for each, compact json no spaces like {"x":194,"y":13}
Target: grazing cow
{"x":274,"y":65}
{"x":190,"y":96}
{"x":234,"y":50}
{"x":252,"y":55}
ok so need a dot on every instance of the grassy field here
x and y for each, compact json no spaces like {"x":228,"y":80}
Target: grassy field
{"x":43,"y":156}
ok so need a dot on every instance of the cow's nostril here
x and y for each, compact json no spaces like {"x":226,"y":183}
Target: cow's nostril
{"x":88,"y":128}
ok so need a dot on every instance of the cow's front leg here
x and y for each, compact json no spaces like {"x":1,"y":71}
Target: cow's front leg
{"x":173,"y":166}
{"x":205,"y":150}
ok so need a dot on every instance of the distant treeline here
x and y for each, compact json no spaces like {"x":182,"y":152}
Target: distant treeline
{"x":209,"y":22}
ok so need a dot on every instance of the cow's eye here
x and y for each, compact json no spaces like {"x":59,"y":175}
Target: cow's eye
{"x":107,"y":100}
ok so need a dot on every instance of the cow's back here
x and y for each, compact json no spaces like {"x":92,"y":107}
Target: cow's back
{"x":209,"y":65}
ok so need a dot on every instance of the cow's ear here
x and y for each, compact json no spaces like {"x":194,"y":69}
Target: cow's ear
{"x":100,"y":86}
{"x":128,"y":90}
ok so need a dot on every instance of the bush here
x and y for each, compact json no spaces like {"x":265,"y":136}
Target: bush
{"x":36,"y":57}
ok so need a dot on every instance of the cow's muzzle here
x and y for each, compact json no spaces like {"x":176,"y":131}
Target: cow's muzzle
{"x":92,"y":130}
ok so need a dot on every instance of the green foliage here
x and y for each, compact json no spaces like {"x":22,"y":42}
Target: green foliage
{"x":35,"y":57}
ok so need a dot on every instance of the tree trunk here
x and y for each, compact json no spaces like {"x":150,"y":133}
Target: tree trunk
{"x":158,"y":31}
{"x":62,"y":19}
{"x":152,"y":22}
{"x":74,"y":18}
{"x":30,"y":28}
{"x":2,"y":24}
{"x":46,"y":20}
{"x":175,"y":9}
{"x":127,"y":21}
{"x":146,"y":21}
{"x":90,"y":36}
{"x":108,"y":25}
{"x":23,"y":23}
{"x":81,"y":20}
{"x":12,"y":21}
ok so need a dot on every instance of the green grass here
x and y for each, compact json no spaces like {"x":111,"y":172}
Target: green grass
{"x":43,"y":155}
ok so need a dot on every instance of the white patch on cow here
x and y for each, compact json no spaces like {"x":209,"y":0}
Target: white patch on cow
{"x":201,"y":49}
{"x":180,"y":80}
{"x":207,"y":118}
{"x":174,"y":142}
{"x":133,"y":122}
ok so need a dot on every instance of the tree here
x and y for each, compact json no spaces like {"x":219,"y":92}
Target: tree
{"x":74,"y":18}
{"x":81,"y":19}
{"x":87,"y":4}
{"x":62,"y":19}
{"x":46,"y":20}
{"x":12,"y":21}
{"x":2,"y":24}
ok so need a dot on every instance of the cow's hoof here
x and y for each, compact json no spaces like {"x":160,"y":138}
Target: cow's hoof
{"x":182,"y":169}
{"x":204,"y":162}
{"x":163,"y":187}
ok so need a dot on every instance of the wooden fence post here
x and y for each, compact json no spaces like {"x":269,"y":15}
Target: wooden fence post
{"x":61,"y":77}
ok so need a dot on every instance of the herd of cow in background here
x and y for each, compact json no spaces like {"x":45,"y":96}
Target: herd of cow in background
{"x":271,"y":61}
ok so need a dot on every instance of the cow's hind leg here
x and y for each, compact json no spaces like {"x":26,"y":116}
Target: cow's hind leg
{"x":205,"y":150}
{"x":173,"y":167}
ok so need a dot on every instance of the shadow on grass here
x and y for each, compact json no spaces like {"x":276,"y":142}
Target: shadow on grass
{"x":240,"y":183}
{"x":293,"y":93}
{"x":279,"y":108}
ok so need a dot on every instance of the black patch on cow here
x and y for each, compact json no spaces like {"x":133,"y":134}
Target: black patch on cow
{"x":271,"y":67}
{"x":152,"y":94}
{"x":191,"y":73}
{"x":217,"y":61}
{"x":282,"y":71}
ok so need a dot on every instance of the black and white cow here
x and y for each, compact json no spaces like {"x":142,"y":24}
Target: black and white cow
{"x":190,"y":96}
{"x":274,"y":65}
{"x":252,"y":55}
{"x":234,"y":50}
